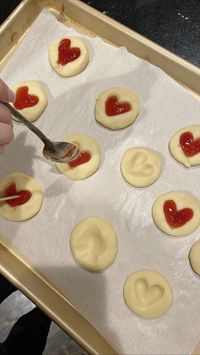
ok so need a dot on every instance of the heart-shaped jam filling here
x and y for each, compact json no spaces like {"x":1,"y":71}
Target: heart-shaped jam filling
{"x":24,"y":195}
{"x":82,"y":158}
{"x":23,"y":99}
{"x":114,"y":107}
{"x":67,"y":54}
{"x":174,"y":217}
{"x":189,"y":145}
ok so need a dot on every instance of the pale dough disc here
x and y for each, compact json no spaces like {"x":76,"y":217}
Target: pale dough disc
{"x":140,"y":166}
{"x":176,"y":150}
{"x":182,"y":200}
{"x":121,"y":120}
{"x":194,"y":257}
{"x":72,"y":68}
{"x":28,"y":209}
{"x":85,"y":143}
{"x":148,"y":293}
{"x":34,"y":88}
{"x":93,"y":243}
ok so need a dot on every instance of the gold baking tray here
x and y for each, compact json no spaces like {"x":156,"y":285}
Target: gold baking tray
{"x":86,"y":20}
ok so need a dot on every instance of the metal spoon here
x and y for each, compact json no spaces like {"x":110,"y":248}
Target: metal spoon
{"x":61,"y":152}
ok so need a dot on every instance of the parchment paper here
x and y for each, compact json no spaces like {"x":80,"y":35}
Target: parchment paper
{"x":44,"y":240}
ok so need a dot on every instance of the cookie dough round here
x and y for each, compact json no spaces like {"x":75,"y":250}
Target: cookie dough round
{"x":74,"y":67}
{"x":148,"y":293}
{"x":85,"y":144}
{"x":140,"y":166}
{"x":194,"y":257}
{"x":123,"y":97}
{"x":28,"y":209}
{"x":93,"y":243}
{"x":182,"y":201}
{"x":177,"y":151}
{"x":34,"y":89}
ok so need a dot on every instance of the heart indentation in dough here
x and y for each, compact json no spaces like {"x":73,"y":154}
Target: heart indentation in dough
{"x":174,"y":217}
{"x":147,"y":295}
{"x":113,"y":107}
{"x":66,"y":53}
{"x":24,"y":195}
{"x":139,"y":165}
{"x":92,"y":243}
{"x":189,"y":145}
{"x":23,"y":99}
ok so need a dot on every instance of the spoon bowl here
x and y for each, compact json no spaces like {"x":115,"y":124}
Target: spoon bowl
{"x":60,"y":152}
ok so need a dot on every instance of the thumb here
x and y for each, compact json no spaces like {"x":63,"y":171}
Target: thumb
{"x":6,"y":95}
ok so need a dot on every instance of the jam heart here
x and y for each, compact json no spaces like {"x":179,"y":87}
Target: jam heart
{"x":23,"y":99}
{"x":114,"y":107}
{"x":82,"y":158}
{"x":189,"y":145}
{"x":24,"y":195}
{"x":174,"y":217}
{"x":67,"y":54}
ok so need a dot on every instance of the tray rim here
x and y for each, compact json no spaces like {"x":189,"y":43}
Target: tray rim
{"x":89,"y":338}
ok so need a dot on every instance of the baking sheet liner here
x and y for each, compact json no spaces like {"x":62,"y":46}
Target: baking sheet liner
{"x":44,"y":240}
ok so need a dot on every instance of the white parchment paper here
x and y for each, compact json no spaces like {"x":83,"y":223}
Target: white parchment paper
{"x":44,"y":240}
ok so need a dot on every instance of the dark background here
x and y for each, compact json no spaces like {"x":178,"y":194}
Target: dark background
{"x":174,"y":24}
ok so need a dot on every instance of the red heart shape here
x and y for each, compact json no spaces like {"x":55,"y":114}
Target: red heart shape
{"x":24,"y":195}
{"x":82,"y":158}
{"x":189,"y":145}
{"x":176,"y":218}
{"x":23,"y":99}
{"x":66,"y":53}
{"x":114,"y":107}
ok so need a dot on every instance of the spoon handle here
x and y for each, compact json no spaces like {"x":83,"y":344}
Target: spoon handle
{"x":27,"y":123}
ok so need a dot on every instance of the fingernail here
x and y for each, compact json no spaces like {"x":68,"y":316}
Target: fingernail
{"x":11,"y":96}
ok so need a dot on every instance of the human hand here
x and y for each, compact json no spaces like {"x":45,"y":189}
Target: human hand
{"x":6,"y":126}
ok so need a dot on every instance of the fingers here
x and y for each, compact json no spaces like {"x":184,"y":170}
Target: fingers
{"x":6,"y":133}
{"x":5,"y":115}
{"x":1,"y":148}
{"x":6,"y":95}
{"x":6,"y":127}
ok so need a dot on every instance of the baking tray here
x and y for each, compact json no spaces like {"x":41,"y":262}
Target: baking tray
{"x":91,"y":22}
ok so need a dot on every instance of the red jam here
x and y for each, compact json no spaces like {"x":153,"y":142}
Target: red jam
{"x":82,"y":158}
{"x":176,"y":218}
{"x":114,"y":107}
{"x":24,"y":195}
{"x":24,"y":100}
{"x":189,"y":145}
{"x":67,"y":54}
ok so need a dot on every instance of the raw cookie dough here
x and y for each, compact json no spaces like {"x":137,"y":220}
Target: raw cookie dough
{"x":35,"y":89}
{"x":124,"y":97}
{"x":86,"y":144}
{"x":194,"y":257}
{"x":193,"y":142}
{"x":74,"y":66}
{"x":28,"y":209}
{"x":185,"y":205}
{"x":93,"y":243}
{"x":140,"y":166}
{"x":148,"y":293}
